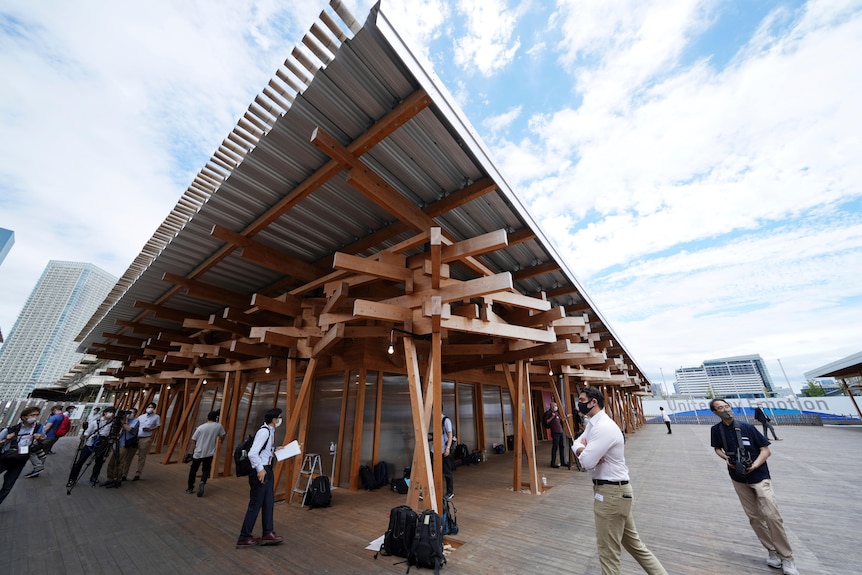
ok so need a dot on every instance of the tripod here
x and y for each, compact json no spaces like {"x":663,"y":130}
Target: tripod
{"x":99,"y":445}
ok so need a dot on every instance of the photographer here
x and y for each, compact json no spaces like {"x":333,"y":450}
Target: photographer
{"x":745,"y":451}
{"x":17,"y":443}
{"x":95,"y":440}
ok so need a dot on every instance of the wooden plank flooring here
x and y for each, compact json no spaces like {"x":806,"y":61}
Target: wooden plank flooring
{"x":686,"y":512}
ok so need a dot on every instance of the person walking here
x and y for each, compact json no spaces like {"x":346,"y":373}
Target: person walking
{"x":261,"y":498}
{"x":17,"y":443}
{"x":601,"y":450}
{"x":95,"y":440}
{"x":205,"y":440}
{"x":148,"y":423}
{"x":666,"y":419}
{"x":554,"y":422}
{"x":745,"y":452}
{"x":765,"y":421}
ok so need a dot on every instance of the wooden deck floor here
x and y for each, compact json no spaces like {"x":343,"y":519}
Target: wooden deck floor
{"x":686,"y":512}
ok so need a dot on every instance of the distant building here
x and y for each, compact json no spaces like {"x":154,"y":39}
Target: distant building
{"x":742,"y":376}
{"x":40,"y":348}
{"x":7,"y":240}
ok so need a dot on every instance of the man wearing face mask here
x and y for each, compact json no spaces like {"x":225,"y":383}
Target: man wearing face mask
{"x":558,"y":439}
{"x":95,"y":440}
{"x":745,"y":451}
{"x":148,"y":423}
{"x":261,"y":485}
{"x":601,"y":450}
{"x":17,"y":443}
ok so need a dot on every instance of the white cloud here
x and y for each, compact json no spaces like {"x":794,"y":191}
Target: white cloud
{"x":488,"y":45}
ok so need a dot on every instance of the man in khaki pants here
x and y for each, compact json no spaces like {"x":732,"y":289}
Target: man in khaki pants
{"x":601,"y":450}
{"x":148,"y":423}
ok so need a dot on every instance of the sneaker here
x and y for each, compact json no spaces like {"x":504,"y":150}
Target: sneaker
{"x":788,"y":567}
{"x":190,"y":490}
{"x":449,"y":496}
{"x":271,"y":539}
{"x":201,"y":489}
{"x":774,"y":560}
{"x":247,"y":542}
{"x":35,"y":472}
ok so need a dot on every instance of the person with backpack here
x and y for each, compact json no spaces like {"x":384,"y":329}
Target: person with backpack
{"x":261,"y":484}
{"x":17,"y":442}
{"x":51,"y":429}
{"x":448,"y":464}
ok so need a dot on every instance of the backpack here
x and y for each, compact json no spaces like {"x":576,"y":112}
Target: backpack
{"x":381,"y":474}
{"x":64,"y":426}
{"x":367,"y":478}
{"x":319,"y":494}
{"x":400,"y":486}
{"x":450,"y":520}
{"x":499,"y":449}
{"x":545,"y":420}
{"x":400,"y":533}
{"x":427,"y":549}
{"x":240,"y":456}
{"x":10,"y":451}
{"x":460,"y":454}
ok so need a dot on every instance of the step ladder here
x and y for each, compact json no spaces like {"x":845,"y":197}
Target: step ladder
{"x":311,"y":468}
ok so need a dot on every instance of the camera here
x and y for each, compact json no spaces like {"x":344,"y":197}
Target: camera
{"x":740,"y":461}
{"x":123,"y":413}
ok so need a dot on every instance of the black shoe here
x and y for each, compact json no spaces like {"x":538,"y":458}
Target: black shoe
{"x":136,"y":478}
{"x":555,"y":466}
{"x":201,"y":489}
{"x":106,"y":484}
{"x":190,"y":490}
{"x":124,"y":478}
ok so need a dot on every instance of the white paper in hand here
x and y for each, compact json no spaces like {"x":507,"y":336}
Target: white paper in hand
{"x":290,"y":450}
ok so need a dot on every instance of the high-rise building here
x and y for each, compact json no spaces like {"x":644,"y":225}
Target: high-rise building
{"x":741,"y":376}
{"x":41,"y":346}
{"x":7,"y":240}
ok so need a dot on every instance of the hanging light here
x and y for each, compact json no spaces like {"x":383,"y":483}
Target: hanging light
{"x":550,"y":369}
{"x":267,"y":369}
{"x":391,"y":349}
{"x":205,"y":381}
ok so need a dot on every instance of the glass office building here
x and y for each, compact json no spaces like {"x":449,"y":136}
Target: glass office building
{"x":742,"y":376}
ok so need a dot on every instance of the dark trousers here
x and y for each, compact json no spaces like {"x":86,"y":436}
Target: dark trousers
{"x":11,"y":470}
{"x":558,"y":444}
{"x":448,"y":468}
{"x":668,"y":426}
{"x":205,"y":473}
{"x":83,"y":456}
{"x":261,"y":499}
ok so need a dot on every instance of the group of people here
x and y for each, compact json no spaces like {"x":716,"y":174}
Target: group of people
{"x":601,"y":450}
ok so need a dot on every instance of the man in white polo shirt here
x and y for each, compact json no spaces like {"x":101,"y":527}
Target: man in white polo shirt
{"x":148,"y":423}
{"x":601,"y":450}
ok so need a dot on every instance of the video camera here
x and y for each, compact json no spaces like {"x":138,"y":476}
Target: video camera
{"x":740,"y":461}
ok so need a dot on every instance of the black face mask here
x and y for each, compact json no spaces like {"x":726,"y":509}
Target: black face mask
{"x":584,"y":407}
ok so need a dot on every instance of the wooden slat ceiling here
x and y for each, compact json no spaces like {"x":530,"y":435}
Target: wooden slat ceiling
{"x":353,"y":150}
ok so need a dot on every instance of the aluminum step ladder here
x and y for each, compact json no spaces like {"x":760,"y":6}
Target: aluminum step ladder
{"x":311,"y":468}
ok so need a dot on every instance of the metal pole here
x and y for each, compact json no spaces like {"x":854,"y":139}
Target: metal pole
{"x":785,"y":377}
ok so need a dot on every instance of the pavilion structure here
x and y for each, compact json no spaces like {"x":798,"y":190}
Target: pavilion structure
{"x":351,"y":254}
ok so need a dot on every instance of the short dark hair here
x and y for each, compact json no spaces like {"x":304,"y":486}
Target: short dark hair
{"x":712,"y":403}
{"x":110,"y":408}
{"x":594,"y":393}
{"x":271,"y":414}
{"x":30,"y":410}
{"x":152,"y":404}
{"x":213,"y":415}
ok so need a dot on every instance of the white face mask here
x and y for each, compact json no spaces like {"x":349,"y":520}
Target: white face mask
{"x":109,"y":416}
{"x":32,"y":420}
{"x":277,"y":421}
{"x":150,"y":410}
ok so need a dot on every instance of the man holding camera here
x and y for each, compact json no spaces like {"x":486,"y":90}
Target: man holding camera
{"x":745,"y":451}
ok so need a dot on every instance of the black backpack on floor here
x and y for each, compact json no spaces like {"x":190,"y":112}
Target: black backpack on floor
{"x":319,"y":493}
{"x":450,"y":520}
{"x":400,"y":533}
{"x":381,"y":474}
{"x":427,"y":550}
{"x":400,"y":486}
{"x":366,"y":476}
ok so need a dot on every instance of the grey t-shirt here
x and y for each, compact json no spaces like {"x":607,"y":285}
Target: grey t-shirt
{"x":205,"y":439}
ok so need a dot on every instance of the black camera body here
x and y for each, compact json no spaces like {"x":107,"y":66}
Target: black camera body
{"x":740,"y":461}
{"x":124,"y":413}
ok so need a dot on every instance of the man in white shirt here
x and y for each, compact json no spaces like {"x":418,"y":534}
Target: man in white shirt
{"x":205,"y":439}
{"x":148,"y":423}
{"x":601,"y":450}
{"x":261,"y":483}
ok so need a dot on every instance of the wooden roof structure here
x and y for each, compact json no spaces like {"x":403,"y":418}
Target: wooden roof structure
{"x":353,"y":220}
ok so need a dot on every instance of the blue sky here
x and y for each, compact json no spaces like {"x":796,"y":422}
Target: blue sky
{"x":695,"y":162}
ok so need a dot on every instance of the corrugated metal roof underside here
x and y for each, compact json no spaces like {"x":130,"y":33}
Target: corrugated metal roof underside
{"x":425,"y":160}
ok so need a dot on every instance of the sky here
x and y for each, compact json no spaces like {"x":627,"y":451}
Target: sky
{"x":695,"y":162}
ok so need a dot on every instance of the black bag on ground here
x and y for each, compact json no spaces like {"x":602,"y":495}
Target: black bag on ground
{"x":400,"y":486}
{"x":427,"y":550}
{"x":450,"y":519}
{"x":366,"y":476}
{"x":400,"y":533}
{"x":240,"y":457}
{"x":381,"y":474}
{"x":460,"y":454}
{"x":319,"y":493}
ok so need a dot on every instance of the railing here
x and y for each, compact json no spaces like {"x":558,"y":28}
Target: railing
{"x":797,"y":419}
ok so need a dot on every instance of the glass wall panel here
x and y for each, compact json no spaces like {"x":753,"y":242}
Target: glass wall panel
{"x":493,"y":417}
{"x":349,"y":418}
{"x":325,"y":415}
{"x":369,"y":417}
{"x":467,"y":417}
{"x":396,"y":426}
